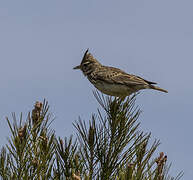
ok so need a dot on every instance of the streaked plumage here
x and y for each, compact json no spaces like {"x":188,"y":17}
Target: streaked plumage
{"x":112,"y":81}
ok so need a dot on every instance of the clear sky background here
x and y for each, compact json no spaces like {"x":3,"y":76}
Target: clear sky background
{"x":41,"y":41}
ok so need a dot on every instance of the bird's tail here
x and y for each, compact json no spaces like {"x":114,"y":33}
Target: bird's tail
{"x":157,"y":88}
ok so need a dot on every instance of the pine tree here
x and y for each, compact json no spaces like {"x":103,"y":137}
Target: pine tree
{"x":109,"y":146}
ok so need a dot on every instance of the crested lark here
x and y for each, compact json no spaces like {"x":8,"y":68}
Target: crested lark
{"x":113,"y":81}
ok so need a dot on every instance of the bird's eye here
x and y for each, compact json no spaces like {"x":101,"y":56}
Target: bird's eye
{"x":86,"y":64}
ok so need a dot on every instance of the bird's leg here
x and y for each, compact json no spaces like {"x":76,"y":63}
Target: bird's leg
{"x":121,"y":98}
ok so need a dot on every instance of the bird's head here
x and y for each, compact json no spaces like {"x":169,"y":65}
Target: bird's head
{"x":88,"y":63}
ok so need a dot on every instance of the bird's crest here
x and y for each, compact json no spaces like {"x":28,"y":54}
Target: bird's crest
{"x":88,"y":57}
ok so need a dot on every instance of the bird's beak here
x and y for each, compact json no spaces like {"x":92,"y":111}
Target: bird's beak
{"x":77,"y":67}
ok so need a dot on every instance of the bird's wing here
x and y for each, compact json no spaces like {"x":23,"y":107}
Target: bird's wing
{"x":114,"y":75}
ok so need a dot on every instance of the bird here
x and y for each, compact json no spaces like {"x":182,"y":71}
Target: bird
{"x":113,"y":81}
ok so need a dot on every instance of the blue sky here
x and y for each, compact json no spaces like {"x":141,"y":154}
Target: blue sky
{"x":41,"y":41}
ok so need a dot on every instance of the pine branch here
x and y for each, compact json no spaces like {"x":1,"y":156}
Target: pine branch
{"x":109,"y":146}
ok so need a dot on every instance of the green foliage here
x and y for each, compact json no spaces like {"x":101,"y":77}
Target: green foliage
{"x":109,"y":147}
